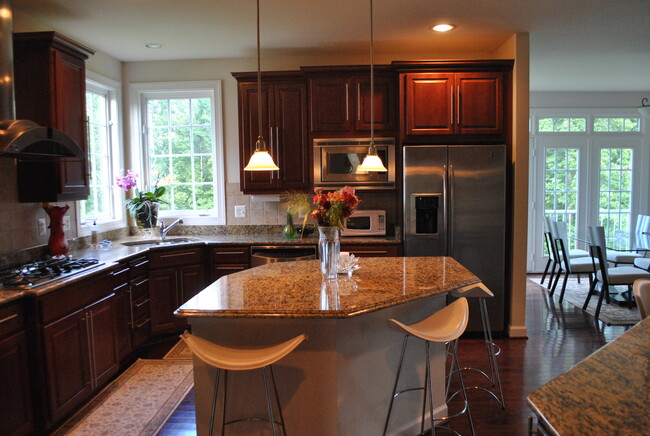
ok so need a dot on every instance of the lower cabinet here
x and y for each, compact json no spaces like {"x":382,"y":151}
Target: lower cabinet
{"x":228,"y":259}
{"x":373,"y":250}
{"x":16,"y":411}
{"x":79,"y":344}
{"x":175,"y":276}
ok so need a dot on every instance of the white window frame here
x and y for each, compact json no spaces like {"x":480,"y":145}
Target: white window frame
{"x":589,"y":143}
{"x":138,"y":93}
{"x":113,"y":90}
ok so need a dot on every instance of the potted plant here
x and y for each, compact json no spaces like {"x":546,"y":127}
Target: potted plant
{"x":296,"y":203}
{"x":143,"y":206}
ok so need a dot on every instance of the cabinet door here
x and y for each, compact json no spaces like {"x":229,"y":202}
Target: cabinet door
{"x":428,"y":106}
{"x":123,"y":320}
{"x":191,"y":282}
{"x":249,"y":131}
{"x":330,"y":105}
{"x":104,"y":358}
{"x":289,"y":143}
{"x":163,"y":293}
{"x":385,"y":119}
{"x":479,"y":109}
{"x":15,"y":394}
{"x":67,"y":366}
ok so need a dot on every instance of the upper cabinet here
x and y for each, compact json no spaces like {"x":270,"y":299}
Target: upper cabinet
{"x":284,"y":128}
{"x":50,"y":88}
{"x":339,"y":101}
{"x":455,"y":101}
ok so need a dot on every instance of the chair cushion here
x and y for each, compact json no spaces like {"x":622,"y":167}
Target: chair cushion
{"x":622,"y":256}
{"x":623,"y":275}
{"x":642,"y":262}
{"x":582,"y":265}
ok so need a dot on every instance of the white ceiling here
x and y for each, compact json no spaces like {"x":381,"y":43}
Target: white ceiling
{"x":575,"y":45}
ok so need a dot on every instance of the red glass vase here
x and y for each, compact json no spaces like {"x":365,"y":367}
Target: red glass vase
{"x":57,"y":243}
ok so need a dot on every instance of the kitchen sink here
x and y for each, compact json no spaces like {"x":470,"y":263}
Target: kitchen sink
{"x":166,"y":241}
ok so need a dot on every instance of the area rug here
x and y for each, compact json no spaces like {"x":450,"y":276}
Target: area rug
{"x":576,"y":294}
{"x":179,"y":351}
{"x":138,"y":402}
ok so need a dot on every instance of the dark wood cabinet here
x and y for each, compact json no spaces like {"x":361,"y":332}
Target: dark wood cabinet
{"x":175,"y":276}
{"x":133,"y":317}
{"x":79,"y":343}
{"x":228,"y":259}
{"x":16,"y":411}
{"x":339,"y":101}
{"x":50,"y":88}
{"x":284,"y":128}
{"x":373,"y":250}
{"x":455,"y":102}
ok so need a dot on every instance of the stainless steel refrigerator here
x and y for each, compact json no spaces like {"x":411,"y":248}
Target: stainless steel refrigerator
{"x":455,"y":205}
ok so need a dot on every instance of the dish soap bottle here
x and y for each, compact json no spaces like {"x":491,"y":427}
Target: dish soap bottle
{"x":94,"y":235}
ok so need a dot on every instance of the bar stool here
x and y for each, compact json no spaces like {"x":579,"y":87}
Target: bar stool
{"x":482,"y":292}
{"x":444,"y":326}
{"x":242,"y":359}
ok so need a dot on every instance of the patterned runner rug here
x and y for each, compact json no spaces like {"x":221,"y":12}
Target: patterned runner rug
{"x":179,"y":351}
{"x":576,"y":294}
{"x":138,"y":402}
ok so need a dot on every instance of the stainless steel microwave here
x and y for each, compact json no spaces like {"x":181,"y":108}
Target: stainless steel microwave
{"x":336,"y":161}
{"x":365,"y":223}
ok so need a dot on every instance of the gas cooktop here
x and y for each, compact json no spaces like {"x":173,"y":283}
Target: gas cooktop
{"x":38,"y":273}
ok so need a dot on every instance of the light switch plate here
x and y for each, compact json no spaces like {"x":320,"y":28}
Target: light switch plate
{"x":42,"y":227}
{"x":66,"y":223}
{"x":240,"y":211}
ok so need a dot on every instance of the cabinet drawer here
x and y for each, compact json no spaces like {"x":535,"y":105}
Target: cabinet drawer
{"x":140,"y":307}
{"x":169,"y":258}
{"x":11,"y":318}
{"x":372,"y":250}
{"x":120,"y":276}
{"x":139,"y":287}
{"x":141,"y":330}
{"x":60,"y":302}
{"x":231,"y":254}
{"x":138,"y":267}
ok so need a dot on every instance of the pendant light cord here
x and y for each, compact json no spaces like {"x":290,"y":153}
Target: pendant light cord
{"x":372,"y":80}
{"x":260,"y":139}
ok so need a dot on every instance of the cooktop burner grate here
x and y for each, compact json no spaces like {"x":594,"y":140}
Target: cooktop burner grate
{"x":32,"y":274}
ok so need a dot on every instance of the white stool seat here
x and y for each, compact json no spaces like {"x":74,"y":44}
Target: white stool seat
{"x":478,"y":290}
{"x":443,"y":326}
{"x":239,"y":359}
{"x":641,"y":289}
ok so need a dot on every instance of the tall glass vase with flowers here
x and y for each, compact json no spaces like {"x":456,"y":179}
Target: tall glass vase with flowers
{"x":143,"y":206}
{"x":331,"y":213}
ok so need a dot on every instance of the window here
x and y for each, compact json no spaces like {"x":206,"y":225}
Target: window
{"x":103,"y":203}
{"x":562,"y":125}
{"x":617,"y":124}
{"x":615,"y":196}
{"x":561,"y":187}
{"x":182,"y":148}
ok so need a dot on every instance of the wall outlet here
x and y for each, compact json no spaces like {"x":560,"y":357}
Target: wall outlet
{"x":42,"y":227}
{"x":66,"y":223}
{"x":240,"y":211}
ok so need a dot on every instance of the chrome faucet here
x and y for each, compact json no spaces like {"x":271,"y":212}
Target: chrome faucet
{"x":164,"y":229}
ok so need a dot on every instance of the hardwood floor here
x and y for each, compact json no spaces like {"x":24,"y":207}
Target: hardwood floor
{"x":559,"y":336}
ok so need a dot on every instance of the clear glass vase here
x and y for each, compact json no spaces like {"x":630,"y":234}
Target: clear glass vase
{"x":329,"y":248}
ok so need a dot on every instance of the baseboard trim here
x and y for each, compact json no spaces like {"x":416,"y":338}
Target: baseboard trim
{"x":517,"y":332}
{"x":413,"y":427}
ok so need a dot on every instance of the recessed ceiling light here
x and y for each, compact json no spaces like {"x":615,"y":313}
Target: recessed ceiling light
{"x":153,"y":45}
{"x":443,"y":27}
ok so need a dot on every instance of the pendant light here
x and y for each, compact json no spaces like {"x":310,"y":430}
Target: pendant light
{"x":372,"y":161}
{"x":261,"y":160}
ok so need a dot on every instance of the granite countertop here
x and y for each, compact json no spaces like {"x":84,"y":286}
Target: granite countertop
{"x":297,"y":289}
{"x":116,"y":252}
{"x":608,"y":393}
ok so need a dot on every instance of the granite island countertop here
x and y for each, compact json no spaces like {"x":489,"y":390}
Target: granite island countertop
{"x":297,"y":289}
{"x":608,"y":393}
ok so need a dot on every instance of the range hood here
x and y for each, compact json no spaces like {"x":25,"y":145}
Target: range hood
{"x":23,"y":138}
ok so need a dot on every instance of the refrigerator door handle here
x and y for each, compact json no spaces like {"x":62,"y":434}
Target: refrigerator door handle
{"x":450,"y":233}
{"x":445,"y":202}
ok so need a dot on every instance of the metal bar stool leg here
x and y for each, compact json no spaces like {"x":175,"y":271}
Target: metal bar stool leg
{"x":428,"y":389}
{"x":492,"y":355}
{"x":399,"y":370}
{"x":277,"y":400}
{"x":462,"y":386}
{"x":214,"y":399}
{"x":269,"y":403}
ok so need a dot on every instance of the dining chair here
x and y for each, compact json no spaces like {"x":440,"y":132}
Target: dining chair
{"x":642,"y":295}
{"x":571,"y":253}
{"x":608,"y":276}
{"x":569,"y":265}
{"x":552,"y":259}
{"x":617,"y":256}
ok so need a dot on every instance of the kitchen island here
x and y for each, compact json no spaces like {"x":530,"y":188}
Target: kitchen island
{"x":339,"y":381}
{"x":608,"y":393}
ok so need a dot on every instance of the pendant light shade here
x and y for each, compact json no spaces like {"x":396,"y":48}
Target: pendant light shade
{"x":261,"y":160}
{"x":372,"y":161}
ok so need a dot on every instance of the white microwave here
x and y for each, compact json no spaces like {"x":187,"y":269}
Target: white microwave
{"x":366,"y":223}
